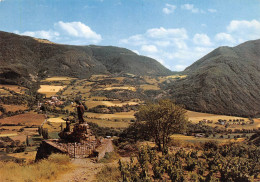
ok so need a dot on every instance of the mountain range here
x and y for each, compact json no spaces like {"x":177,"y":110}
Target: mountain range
{"x":225,"y":81}
{"x":25,"y":59}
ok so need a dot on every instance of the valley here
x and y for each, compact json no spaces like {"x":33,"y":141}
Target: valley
{"x":157,"y":124}
{"x":112,"y":102}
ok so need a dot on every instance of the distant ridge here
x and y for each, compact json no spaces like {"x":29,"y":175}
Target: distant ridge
{"x":25,"y":59}
{"x":225,"y":81}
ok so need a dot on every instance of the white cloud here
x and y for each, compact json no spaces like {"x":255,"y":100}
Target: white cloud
{"x":149,"y":48}
{"x":226,"y":38}
{"x":202,"y":39}
{"x":162,"y":43}
{"x":67,"y":32}
{"x":79,"y":30}
{"x":212,"y":10}
{"x":169,"y":9}
{"x":180,"y":67}
{"x":245,"y":30}
{"x":170,"y":46}
{"x":50,"y":35}
{"x":161,"y":32}
{"x":239,"y":31}
{"x":134,"y":40}
{"x":190,"y":7}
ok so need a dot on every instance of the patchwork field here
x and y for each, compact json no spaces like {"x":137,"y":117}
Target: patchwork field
{"x":193,"y":139}
{"x":122,"y":88}
{"x":195,"y":117}
{"x":149,"y":87}
{"x":30,"y":118}
{"x":110,"y":124}
{"x":14,"y":108}
{"x":58,"y":79}
{"x":15,"y":88}
{"x":4,"y":92}
{"x":198,"y":116}
{"x":120,"y":115}
{"x":56,"y":120}
{"x":50,"y":90}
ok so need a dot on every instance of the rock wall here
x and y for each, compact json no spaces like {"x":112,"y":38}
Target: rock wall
{"x":46,"y":148}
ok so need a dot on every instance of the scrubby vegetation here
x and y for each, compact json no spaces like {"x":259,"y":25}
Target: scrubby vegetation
{"x":231,"y":162}
{"x":44,"y":170}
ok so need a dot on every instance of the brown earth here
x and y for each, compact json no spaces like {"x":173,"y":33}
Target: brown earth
{"x":27,"y":118}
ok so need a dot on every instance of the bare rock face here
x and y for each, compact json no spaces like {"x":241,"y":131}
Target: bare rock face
{"x":81,"y":133}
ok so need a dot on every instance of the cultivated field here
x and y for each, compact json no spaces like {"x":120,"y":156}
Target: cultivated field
{"x":120,"y":115}
{"x":4,"y":92}
{"x":14,"y":108}
{"x":51,"y":79}
{"x":15,"y":88}
{"x":30,"y":118}
{"x":122,"y":88}
{"x":110,"y":124}
{"x":193,"y":139}
{"x":149,"y":87}
{"x":49,"y":90}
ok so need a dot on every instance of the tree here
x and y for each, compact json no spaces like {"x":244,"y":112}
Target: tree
{"x":161,"y":120}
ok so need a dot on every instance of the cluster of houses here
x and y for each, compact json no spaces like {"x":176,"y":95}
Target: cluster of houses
{"x":204,"y":121}
{"x":53,"y":101}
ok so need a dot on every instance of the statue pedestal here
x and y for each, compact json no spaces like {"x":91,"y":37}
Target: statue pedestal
{"x":81,"y":133}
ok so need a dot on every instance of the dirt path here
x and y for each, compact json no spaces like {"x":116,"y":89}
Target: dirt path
{"x":85,"y":170}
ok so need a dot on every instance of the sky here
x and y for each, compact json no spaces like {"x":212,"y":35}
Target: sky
{"x":174,"y":32}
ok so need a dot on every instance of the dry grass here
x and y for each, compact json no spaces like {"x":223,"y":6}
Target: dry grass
{"x":14,"y":108}
{"x":109,"y":124}
{"x":27,"y":119}
{"x":195,"y":117}
{"x":192,"y":139}
{"x":122,"y":88}
{"x":49,"y":90}
{"x":8,"y":134}
{"x":198,"y":116}
{"x":4,"y":92}
{"x":29,"y":157}
{"x":51,"y":79}
{"x":45,"y":170}
{"x":119,"y":115}
{"x":149,"y":87}
{"x":56,"y":120}
{"x":92,"y":103}
{"x":109,"y":174}
{"x":98,"y":77}
{"x":15,"y":88}
{"x":53,"y":127}
{"x":176,"y":76}
{"x":44,"y":41}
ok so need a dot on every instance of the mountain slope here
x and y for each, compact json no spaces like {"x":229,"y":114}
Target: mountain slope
{"x":226,"y":81}
{"x":23,"y":59}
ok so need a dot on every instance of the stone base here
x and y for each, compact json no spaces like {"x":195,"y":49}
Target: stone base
{"x":80,"y":133}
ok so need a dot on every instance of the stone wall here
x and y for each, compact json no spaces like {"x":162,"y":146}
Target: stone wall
{"x":46,"y":148}
{"x":74,"y":150}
